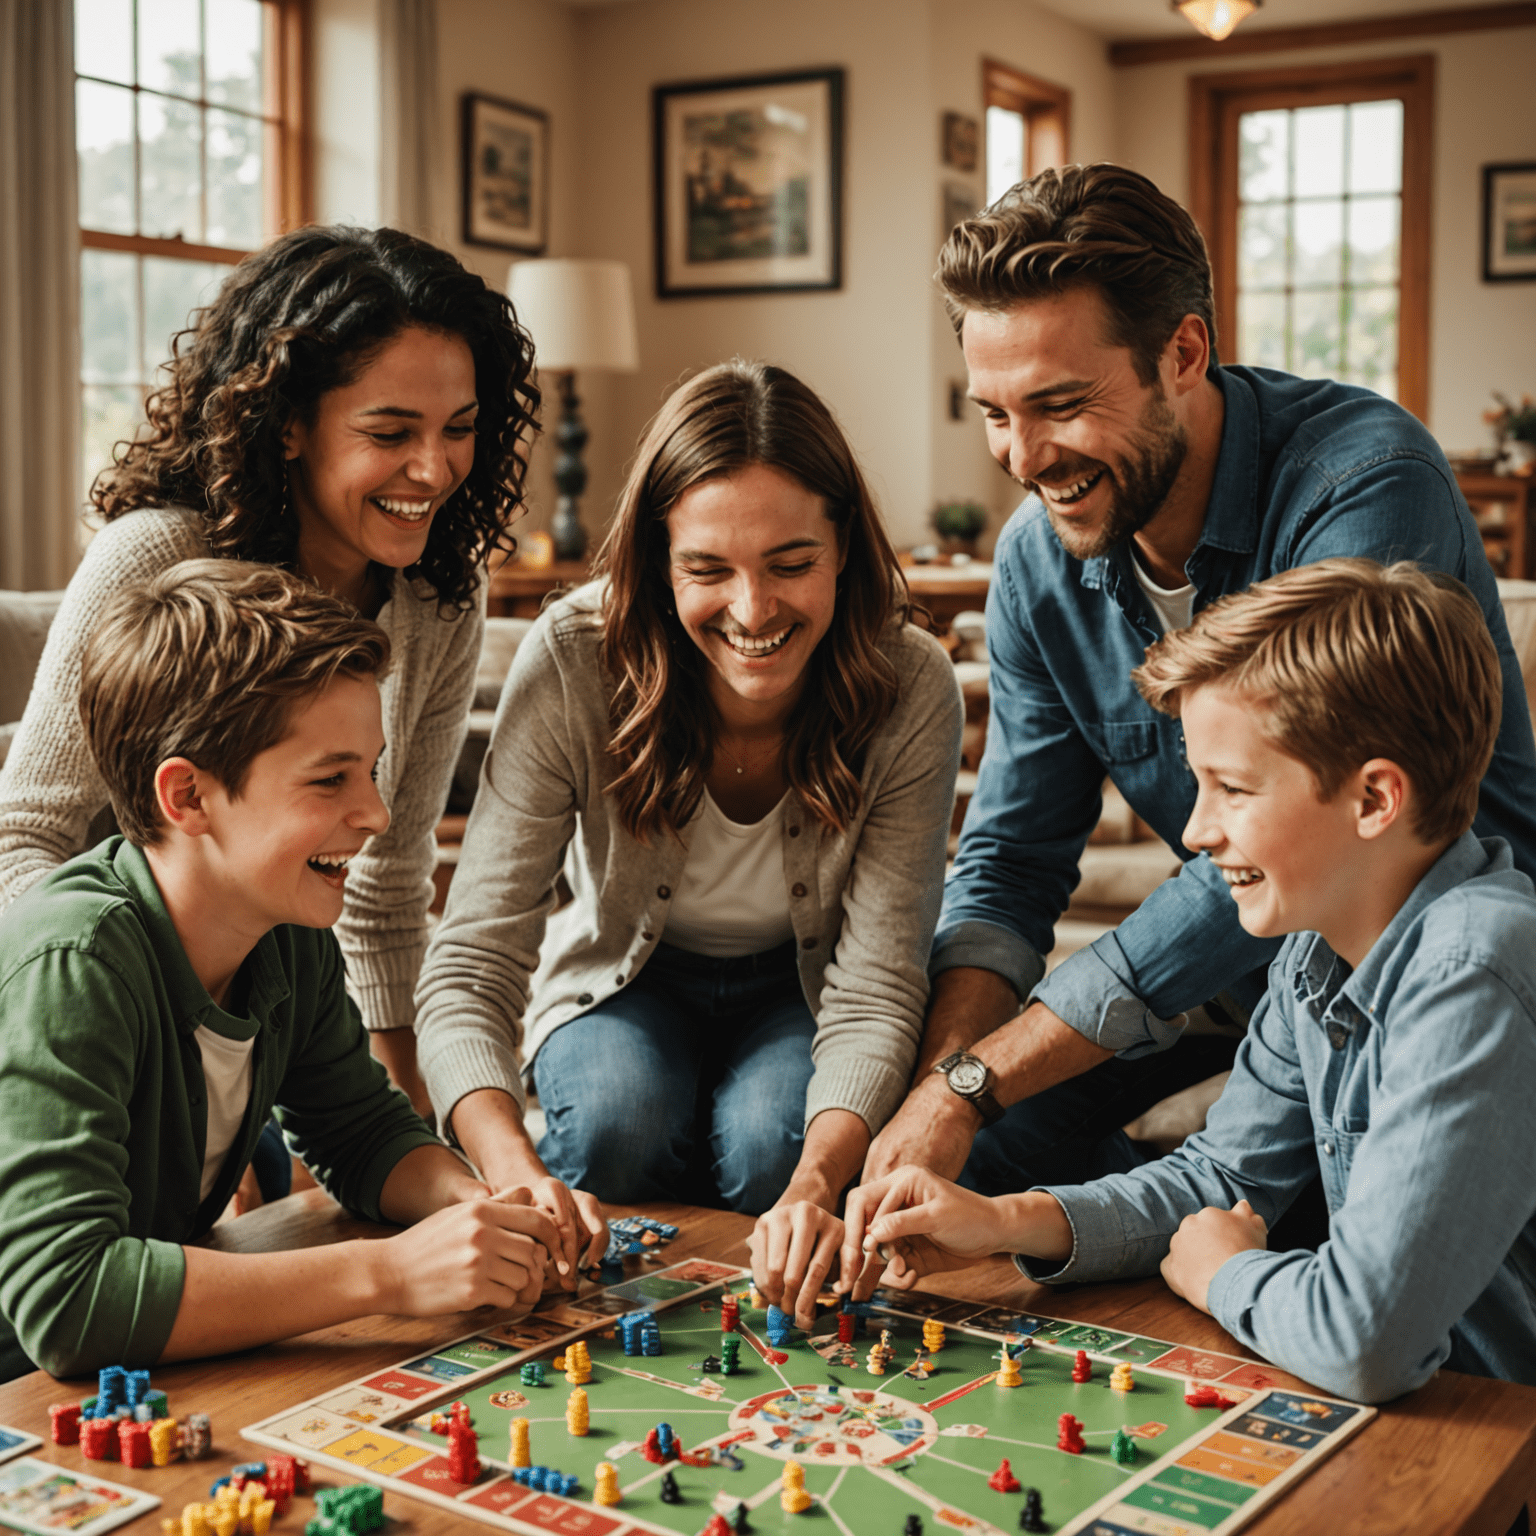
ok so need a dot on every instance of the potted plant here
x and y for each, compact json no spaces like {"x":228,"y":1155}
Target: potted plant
{"x":1516,"y":429}
{"x":958,"y":525}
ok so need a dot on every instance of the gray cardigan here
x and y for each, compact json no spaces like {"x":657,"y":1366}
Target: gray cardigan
{"x":501,"y":973}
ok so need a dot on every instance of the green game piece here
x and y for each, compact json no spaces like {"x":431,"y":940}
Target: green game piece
{"x":1123,"y":1449}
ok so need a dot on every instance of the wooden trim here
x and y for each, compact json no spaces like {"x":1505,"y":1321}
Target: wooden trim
{"x":288,"y":100}
{"x":1215,"y":103}
{"x":1035,"y":99}
{"x":1480,"y":18}
{"x":149,"y":245}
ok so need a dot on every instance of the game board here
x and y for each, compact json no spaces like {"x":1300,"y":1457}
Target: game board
{"x":875,"y":1450}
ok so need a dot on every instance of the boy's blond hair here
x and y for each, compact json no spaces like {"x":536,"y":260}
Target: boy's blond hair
{"x":1352,"y":660}
{"x":208,"y":661}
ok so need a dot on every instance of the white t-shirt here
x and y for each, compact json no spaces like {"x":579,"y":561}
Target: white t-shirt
{"x":1174,"y":606}
{"x":227,"y":1076}
{"x":731,"y":899}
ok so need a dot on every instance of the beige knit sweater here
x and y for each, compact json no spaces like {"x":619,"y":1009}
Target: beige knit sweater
{"x":50,"y":790}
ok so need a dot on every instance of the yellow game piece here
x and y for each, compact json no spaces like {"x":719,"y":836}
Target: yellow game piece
{"x":757,"y":1299}
{"x":164,"y":1442}
{"x":577,"y":1419}
{"x":1009,"y":1375}
{"x":193,"y":1521}
{"x":607,"y":1480}
{"x":1121,"y":1380}
{"x":261,"y":1517}
{"x":558,"y":1363}
{"x":578,"y":1364}
{"x":793,"y":1498}
{"x":227,"y":1521}
{"x":933,"y":1336}
{"x":876,"y":1362}
{"x":519,"y":1455}
{"x":170,"y":1527}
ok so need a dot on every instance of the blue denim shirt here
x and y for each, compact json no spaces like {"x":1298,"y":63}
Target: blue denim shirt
{"x":1308,"y":469}
{"x":1410,"y":1083}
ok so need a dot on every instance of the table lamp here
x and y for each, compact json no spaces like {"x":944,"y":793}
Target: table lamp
{"x":581,"y":314}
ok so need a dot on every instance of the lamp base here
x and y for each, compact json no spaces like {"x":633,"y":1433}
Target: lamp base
{"x":566,"y":530}
{"x":570,"y":474}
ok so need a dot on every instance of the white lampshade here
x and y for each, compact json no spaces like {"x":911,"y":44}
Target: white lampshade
{"x":581,"y":314}
{"x":1215,"y":19}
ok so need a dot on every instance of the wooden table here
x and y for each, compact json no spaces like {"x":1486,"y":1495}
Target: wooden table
{"x":947,"y":590}
{"x":1458,"y":1455}
{"x":520,"y":591}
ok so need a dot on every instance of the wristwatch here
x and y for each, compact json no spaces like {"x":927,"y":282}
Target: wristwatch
{"x":971,"y":1078}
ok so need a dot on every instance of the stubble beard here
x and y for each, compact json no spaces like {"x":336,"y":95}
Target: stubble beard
{"x":1140,"y":484}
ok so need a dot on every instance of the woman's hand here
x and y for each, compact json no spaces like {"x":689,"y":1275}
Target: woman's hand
{"x":581,"y":1230}
{"x":792,"y":1247}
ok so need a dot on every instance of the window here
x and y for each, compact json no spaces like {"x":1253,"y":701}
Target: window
{"x":189,"y":137}
{"x":1026,"y":126}
{"x":1312,"y":189}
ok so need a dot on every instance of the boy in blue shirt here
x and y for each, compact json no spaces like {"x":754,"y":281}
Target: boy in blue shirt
{"x":1338,"y":719}
{"x":163,"y":992}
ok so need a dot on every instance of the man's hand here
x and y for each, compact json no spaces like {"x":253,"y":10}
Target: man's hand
{"x":579,"y":1223}
{"x":934,"y":1129}
{"x":792,"y":1248}
{"x":1204,"y":1242}
{"x":478,"y":1253}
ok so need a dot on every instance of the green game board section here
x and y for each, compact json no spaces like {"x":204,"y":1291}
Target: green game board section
{"x":1021,"y":1424}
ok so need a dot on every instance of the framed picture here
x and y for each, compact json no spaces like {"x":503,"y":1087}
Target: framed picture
{"x":1509,"y":223}
{"x":959,"y":136}
{"x":748,"y":184}
{"x":506,"y":175}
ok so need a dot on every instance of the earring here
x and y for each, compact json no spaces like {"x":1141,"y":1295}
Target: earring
{"x":286,"y":510}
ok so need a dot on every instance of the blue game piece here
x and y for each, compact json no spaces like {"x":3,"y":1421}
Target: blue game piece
{"x":135,"y":1387}
{"x":778,"y":1327}
{"x":569,"y":1485}
{"x":666,"y":1441}
{"x":213,"y":1487}
{"x":650,"y":1336}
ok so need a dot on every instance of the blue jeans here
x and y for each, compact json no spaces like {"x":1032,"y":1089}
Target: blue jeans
{"x":687,"y":1085}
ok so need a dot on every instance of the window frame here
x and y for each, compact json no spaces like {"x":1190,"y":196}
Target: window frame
{"x":1215,"y":104}
{"x":290,"y":187}
{"x":1038,"y":102}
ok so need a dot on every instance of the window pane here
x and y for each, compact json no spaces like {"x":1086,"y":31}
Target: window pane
{"x":104,"y":39}
{"x":110,"y":413}
{"x":104,"y":151}
{"x":1319,"y":243}
{"x":1261,"y":330}
{"x":1373,"y":242}
{"x":1005,"y":151}
{"x":169,"y":168}
{"x":1318,"y":335}
{"x":1376,"y":146}
{"x":109,"y":350}
{"x":234,"y":179}
{"x":172,"y":290}
{"x":1319,"y":151}
{"x":169,"y":46}
{"x":1261,"y":246}
{"x":234,"y":52}
{"x":1371,"y":340}
{"x":1264,"y":147}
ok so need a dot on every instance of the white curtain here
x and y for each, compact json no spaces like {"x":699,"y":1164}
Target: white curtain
{"x":409,"y":168}
{"x":39,"y":296}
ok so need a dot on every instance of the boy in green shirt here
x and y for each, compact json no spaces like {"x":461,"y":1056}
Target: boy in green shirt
{"x":164,"y":993}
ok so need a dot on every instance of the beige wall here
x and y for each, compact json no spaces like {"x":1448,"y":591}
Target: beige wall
{"x":1482,"y":335}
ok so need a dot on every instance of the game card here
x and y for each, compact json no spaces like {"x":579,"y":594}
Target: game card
{"x":16,"y":1442}
{"x":35,"y":1496}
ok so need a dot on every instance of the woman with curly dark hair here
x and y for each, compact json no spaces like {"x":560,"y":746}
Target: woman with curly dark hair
{"x":356,"y":406}
{"x":742,"y":757}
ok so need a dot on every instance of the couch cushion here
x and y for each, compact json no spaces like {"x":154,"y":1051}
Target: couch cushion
{"x":24,"y":621}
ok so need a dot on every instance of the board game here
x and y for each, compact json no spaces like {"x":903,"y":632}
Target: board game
{"x":916,"y":1449}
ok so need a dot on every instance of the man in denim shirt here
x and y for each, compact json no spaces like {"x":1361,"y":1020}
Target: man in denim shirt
{"x":1159,"y":482}
{"x":1339,"y":718}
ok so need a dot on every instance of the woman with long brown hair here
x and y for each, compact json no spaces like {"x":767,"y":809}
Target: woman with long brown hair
{"x":356,"y":406}
{"x":743,"y":758}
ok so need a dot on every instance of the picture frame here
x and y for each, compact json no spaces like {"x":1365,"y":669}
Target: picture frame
{"x":748,"y":184}
{"x":959,"y":141}
{"x":505,"y":148}
{"x":1509,"y":222}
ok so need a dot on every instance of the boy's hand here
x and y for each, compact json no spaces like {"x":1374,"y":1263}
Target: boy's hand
{"x":792,"y":1247}
{"x":479,"y":1253}
{"x":581,"y":1230}
{"x":912,"y":1223}
{"x":1204,"y":1242}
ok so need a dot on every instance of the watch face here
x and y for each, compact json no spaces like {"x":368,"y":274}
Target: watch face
{"x":968,"y":1076}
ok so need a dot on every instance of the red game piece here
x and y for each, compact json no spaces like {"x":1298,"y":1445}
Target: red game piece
{"x":98,"y":1439}
{"x":1003,"y":1480}
{"x":717,"y":1526}
{"x":730,"y":1313}
{"x":1082,"y":1367}
{"x":1202,"y":1394}
{"x":133,"y":1443}
{"x":280,"y":1480}
{"x":463,"y":1452}
{"x":775,"y":1356}
{"x":1069,"y":1435}
{"x":65,"y":1419}
{"x":845,"y":1326}
{"x":651,"y":1448}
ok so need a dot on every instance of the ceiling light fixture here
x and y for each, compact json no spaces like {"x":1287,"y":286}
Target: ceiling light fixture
{"x":1215,"y":19}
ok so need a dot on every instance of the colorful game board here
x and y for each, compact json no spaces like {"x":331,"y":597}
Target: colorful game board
{"x":876,"y":1450}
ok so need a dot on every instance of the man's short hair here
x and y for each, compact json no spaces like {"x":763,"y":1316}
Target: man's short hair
{"x":1080,"y":226}
{"x":208,"y":661}
{"x":1352,"y":660}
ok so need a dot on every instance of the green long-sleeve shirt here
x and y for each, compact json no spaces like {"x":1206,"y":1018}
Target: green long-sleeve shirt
{"x":103,"y":1108}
